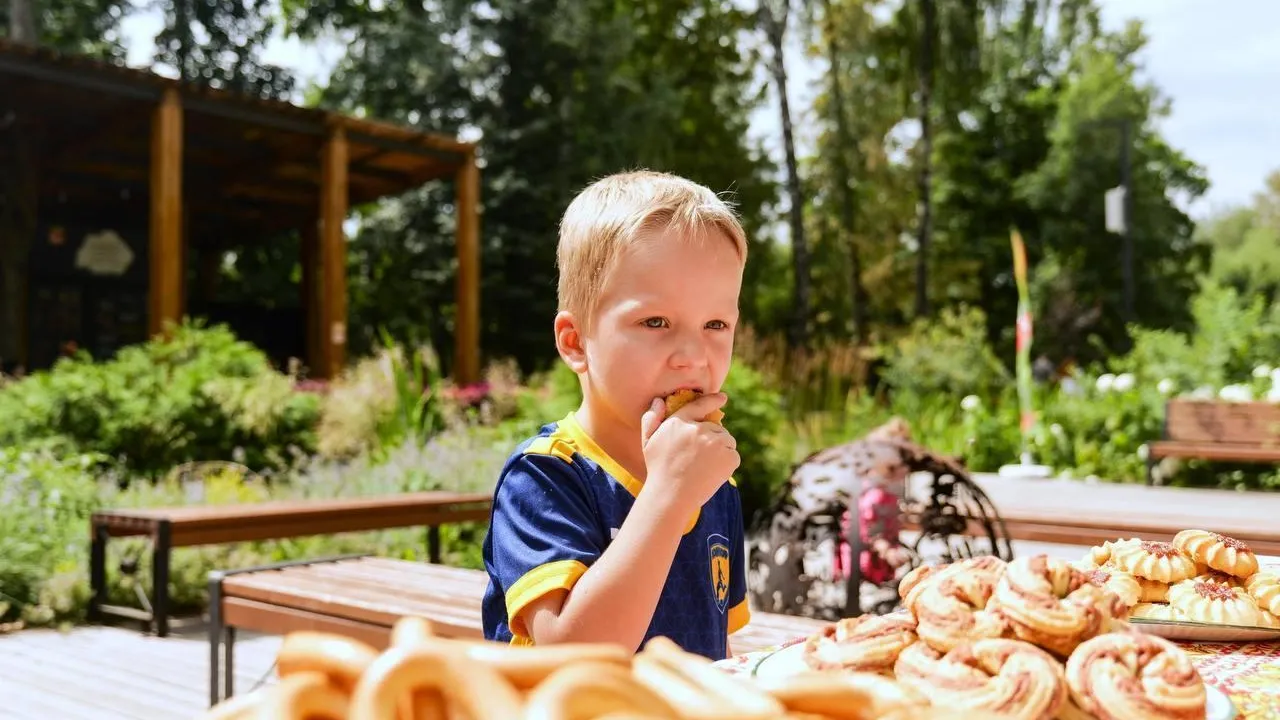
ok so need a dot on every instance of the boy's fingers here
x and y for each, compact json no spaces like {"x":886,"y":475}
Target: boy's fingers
{"x":652,"y":418}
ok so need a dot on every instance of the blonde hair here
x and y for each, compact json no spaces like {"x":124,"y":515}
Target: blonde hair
{"x":614,"y":212}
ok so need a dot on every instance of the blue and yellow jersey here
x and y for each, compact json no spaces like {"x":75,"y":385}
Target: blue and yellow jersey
{"x":560,"y":501}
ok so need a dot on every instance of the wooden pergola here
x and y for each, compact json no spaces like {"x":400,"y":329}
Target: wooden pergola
{"x":203,"y":165}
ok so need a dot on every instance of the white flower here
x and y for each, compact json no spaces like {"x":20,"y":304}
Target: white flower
{"x":1165,"y":386}
{"x":1105,"y":382}
{"x":1204,"y":392}
{"x":1056,"y":430}
{"x":1124,"y":382}
{"x":1262,"y":371}
{"x":1143,"y":451}
{"x":970,"y":403}
{"x":1236,"y":393}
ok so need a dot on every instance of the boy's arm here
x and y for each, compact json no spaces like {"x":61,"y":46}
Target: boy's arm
{"x":615,"y":598}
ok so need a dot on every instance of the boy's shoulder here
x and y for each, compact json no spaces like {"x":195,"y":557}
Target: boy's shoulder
{"x":555,"y":448}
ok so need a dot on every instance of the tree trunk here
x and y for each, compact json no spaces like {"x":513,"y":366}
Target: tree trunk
{"x":19,"y":192}
{"x":844,"y":178}
{"x":22,"y":22}
{"x":928,"y":40}
{"x":775,"y":28}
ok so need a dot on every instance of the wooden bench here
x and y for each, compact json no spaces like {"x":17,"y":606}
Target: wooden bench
{"x":363,"y":597}
{"x":1216,"y":430}
{"x":175,"y":527}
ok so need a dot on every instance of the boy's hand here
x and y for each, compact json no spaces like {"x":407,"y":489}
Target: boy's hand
{"x":685,"y":459}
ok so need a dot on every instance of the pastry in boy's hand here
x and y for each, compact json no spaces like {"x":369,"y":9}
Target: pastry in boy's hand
{"x":680,"y":398}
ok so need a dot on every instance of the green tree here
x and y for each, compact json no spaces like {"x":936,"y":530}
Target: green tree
{"x":219,"y":43}
{"x":1245,"y":242}
{"x":1066,"y":191}
{"x":559,"y":92}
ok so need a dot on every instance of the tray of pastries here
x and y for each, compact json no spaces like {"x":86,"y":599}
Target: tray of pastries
{"x":421,"y":676}
{"x":1036,"y":638}
{"x":1198,"y":585}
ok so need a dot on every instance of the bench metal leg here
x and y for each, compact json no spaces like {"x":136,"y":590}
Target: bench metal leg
{"x":433,"y":544}
{"x":215,"y":637}
{"x":98,"y":570}
{"x":160,"y":578}
{"x":222,"y":637}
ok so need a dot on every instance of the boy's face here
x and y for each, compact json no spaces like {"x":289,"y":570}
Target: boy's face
{"x":665,"y":321}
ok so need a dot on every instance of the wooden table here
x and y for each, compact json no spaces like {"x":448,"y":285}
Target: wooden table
{"x":1079,"y":513}
{"x":363,"y":597}
{"x":172,"y":527}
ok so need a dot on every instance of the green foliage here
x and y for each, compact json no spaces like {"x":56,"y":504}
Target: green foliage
{"x":1232,"y":335}
{"x":1246,"y":244}
{"x":200,"y":394}
{"x":45,"y":503}
{"x":754,"y":415}
{"x":948,"y":357}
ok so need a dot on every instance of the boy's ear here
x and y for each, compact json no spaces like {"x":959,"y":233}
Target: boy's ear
{"x":569,"y":341}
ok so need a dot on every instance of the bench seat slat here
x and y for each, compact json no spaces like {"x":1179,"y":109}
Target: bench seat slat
{"x":364,"y":597}
{"x":1215,"y":451}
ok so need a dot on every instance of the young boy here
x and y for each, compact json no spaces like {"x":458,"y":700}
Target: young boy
{"x":618,"y":523}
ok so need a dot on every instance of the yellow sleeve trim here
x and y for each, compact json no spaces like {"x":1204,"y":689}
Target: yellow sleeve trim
{"x":733,"y":481}
{"x":559,"y":575}
{"x":739,"y":616}
{"x":550,"y":445}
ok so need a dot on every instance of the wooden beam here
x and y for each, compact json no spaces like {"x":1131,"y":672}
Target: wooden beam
{"x":165,"y":291}
{"x":467,"y":327}
{"x":309,"y":238}
{"x":333,"y":254}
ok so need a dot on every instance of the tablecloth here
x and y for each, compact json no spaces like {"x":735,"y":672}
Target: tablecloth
{"x":1248,"y":673}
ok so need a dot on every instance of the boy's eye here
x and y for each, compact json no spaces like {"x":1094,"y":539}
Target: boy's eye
{"x":654,"y":322}
{"x":718,"y":325}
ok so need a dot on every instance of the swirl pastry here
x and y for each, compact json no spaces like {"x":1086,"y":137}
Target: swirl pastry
{"x":867,"y":643}
{"x":841,"y":695}
{"x":913,"y":583}
{"x":1135,"y":675}
{"x":1154,"y":611}
{"x":1153,"y":560}
{"x":951,"y":607}
{"x":1264,"y":587}
{"x":1221,"y":578}
{"x":1100,"y":555}
{"x":1219,"y":552}
{"x":1012,"y":678}
{"x":1211,"y":602}
{"x":1051,"y":604}
{"x":1152,"y":590}
{"x":1121,"y":584}
{"x":1267,"y":620}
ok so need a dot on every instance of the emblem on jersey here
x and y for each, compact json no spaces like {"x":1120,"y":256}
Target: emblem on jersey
{"x":718,"y":559}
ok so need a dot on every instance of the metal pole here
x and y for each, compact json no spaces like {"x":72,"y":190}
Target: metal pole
{"x":1126,"y":258}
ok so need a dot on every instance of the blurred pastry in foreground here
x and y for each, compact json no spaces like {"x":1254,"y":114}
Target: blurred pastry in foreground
{"x":1135,"y":675}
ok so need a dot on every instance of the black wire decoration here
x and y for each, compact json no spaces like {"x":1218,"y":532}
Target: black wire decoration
{"x":955,"y":520}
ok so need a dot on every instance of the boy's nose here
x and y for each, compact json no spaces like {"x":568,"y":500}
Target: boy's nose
{"x":689,"y":354}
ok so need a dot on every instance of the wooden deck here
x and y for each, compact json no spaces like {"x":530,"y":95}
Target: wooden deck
{"x":117,"y":673}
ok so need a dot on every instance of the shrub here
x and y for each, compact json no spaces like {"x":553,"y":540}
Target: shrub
{"x":199,"y":394}
{"x":45,"y":503}
{"x":947,"y":356}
